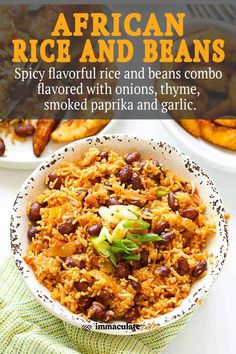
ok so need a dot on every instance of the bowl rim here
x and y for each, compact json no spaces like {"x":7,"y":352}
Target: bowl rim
{"x":60,"y":311}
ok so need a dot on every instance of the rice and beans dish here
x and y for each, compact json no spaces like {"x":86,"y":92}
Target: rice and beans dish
{"x":117,"y":237}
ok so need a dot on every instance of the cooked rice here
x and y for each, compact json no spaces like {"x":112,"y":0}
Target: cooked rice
{"x":87,"y":184}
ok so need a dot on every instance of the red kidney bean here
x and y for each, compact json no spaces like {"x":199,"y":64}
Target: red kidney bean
{"x":32,"y":231}
{"x":167,"y":236}
{"x":199,"y":269}
{"x":144,"y":258}
{"x":108,"y":316}
{"x":118,"y":257}
{"x":113,"y":201}
{"x":163,"y":271}
{"x":136,"y":285}
{"x":97,"y":312}
{"x":67,"y":227}
{"x":81,"y":285}
{"x":34,"y":212}
{"x":104,"y":296}
{"x":189,"y":213}
{"x":94,"y":230}
{"x":136,"y":264}
{"x":74,"y":263}
{"x":138,"y":297}
{"x":137,"y":203}
{"x":141,"y":164}
{"x":82,"y":264}
{"x":52,"y":177}
{"x":71,"y":263}
{"x":24,"y":130}
{"x":136,"y":182}
{"x":2,"y":147}
{"x":84,"y":302}
{"x":132,"y":157}
{"x":125,"y":174}
{"x":132,"y":314}
{"x":183,"y":266}
{"x":122,"y":270}
{"x":97,"y":180}
{"x":160,"y":227}
{"x":172,"y":201}
{"x":157,"y":178}
{"x":104,"y":155}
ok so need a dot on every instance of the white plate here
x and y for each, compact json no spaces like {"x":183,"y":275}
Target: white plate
{"x":219,"y":157}
{"x":20,"y":154}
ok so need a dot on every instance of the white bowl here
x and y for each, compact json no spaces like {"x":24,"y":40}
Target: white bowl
{"x":217,"y":156}
{"x":169,"y":156}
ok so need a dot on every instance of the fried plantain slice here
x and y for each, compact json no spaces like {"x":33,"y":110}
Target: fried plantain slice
{"x":219,"y":109}
{"x":229,"y":122}
{"x":218,"y":135}
{"x":42,"y":134}
{"x":192,"y":126}
{"x":75,"y":129}
{"x":232,"y":91}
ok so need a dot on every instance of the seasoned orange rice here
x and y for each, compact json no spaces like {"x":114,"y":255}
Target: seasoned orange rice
{"x":156,"y":214}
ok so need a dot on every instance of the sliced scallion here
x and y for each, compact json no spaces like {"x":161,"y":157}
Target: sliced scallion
{"x":125,"y":245}
{"x":100,"y":245}
{"x":131,"y":257}
{"x":111,"y":256}
{"x":144,"y":238}
{"x":162,"y":191}
{"x":135,"y":225}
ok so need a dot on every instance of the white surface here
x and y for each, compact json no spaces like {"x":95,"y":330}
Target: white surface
{"x":211,"y":330}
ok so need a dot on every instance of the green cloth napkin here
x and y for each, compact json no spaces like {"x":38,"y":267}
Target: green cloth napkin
{"x":25,"y":327}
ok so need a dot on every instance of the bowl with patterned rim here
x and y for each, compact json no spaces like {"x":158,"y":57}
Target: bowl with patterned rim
{"x":167,"y":155}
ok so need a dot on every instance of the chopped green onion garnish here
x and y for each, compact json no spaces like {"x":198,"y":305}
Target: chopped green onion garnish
{"x":135,"y":225}
{"x":144,"y":238}
{"x":124,"y":245}
{"x":134,"y":209}
{"x":134,"y":256}
{"x":111,"y":256}
{"x":161,"y":191}
{"x":100,"y":245}
{"x":117,"y":249}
